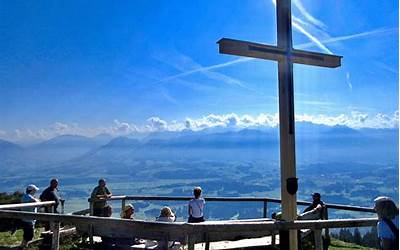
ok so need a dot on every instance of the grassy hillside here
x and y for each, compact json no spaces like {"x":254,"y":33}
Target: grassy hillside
{"x":341,"y":245}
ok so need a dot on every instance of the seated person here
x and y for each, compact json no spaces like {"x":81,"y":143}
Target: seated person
{"x":127,"y":213}
{"x":315,"y":210}
{"x":196,"y":207}
{"x":166,"y":215}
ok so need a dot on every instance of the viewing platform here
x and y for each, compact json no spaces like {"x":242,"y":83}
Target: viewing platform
{"x":232,"y":234}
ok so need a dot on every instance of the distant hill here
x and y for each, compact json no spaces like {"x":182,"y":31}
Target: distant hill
{"x":53,"y":151}
{"x":8,"y":146}
{"x":314,"y":143}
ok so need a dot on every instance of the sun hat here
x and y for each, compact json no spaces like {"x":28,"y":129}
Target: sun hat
{"x":166,"y":212}
{"x":127,"y":207}
{"x":32,"y":187}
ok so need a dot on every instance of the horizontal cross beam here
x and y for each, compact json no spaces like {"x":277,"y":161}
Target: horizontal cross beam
{"x":263,"y":51}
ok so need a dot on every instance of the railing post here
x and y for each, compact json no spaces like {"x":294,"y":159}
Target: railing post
{"x":55,"y":239}
{"x":318,"y":239}
{"x":206,"y":238}
{"x":273,"y":240}
{"x":62,"y":205}
{"x":189,"y":243}
{"x":123,"y":204}
{"x":91,"y":207}
{"x":91,"y":229}
{"x":265,"y":210}
{"x":327,"y":236}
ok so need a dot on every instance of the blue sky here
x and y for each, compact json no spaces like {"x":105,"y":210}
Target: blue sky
{"x":89,"y":67}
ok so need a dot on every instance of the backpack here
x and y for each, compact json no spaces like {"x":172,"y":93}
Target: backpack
{"x":395,"y":231}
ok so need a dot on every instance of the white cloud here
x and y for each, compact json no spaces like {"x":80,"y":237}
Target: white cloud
{"x":122,"y":128}
{"x":354,"y":119}
{"x":156,"y":124}
{"x":60,"y":127}
{"x":2,"y":133}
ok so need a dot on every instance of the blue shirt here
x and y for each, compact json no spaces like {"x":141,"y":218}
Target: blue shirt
{"x":25,"y":199}
{"x":384,"y":231}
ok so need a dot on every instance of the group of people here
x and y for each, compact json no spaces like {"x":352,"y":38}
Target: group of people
{"x":101,"y":193}
{"x":388,"y":212}
{"x":49,"y":194}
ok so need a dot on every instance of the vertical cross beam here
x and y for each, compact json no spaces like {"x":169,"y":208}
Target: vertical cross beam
{"x":286,"y":116}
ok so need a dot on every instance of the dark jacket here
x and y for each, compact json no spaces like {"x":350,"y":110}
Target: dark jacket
{"x":50,"y":194}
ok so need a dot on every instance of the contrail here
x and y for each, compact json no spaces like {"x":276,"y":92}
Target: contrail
{"x":201,"y":69}
{"x":308,"y":16}
{"x":311,"y":37}
{"x":349,"y":37}
{"x":300,"y":46}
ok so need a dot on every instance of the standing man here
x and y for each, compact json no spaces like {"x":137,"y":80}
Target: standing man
{"x":51,"y":194}
{"x":315,"y":210}
{"x":100,"y":194}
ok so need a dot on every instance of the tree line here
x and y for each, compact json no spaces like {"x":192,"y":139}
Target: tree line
{"x":369,"y":239}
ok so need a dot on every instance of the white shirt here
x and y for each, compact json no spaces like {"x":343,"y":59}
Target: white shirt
{"x":197,"y":206}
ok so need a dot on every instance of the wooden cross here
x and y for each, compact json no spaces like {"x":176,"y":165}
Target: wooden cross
{"x":286,"y":56}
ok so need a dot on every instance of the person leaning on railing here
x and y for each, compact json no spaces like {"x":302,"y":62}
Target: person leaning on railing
{"x":100,"y":195}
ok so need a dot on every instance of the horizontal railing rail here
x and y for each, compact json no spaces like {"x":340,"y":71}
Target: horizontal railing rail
{"x":186,"y":233}
{"x":234,"y":199}
{"x":25,"y":205}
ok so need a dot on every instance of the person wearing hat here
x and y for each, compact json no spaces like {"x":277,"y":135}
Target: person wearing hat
{"x":313,"y":211}
{"x":388,"y":224}
{"x":29,"y":225}
{"x":166,"y":215}
{"x":128,"y":212}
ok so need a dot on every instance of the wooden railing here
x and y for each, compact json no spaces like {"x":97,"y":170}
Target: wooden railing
{"x":25,"y":205}
{"x":186,"y":233}
{"x":265,"y":201}
{"x":54,"y":227}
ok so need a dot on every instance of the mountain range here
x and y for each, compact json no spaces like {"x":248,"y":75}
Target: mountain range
{"x":313,"y":143}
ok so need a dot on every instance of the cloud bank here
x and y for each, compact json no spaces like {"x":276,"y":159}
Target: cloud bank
{"x":354,"y":119}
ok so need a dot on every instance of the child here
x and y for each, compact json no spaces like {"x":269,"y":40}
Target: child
{"x":196,"y":207}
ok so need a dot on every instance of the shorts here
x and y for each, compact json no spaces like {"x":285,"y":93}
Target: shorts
{"x":195,"y":220}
